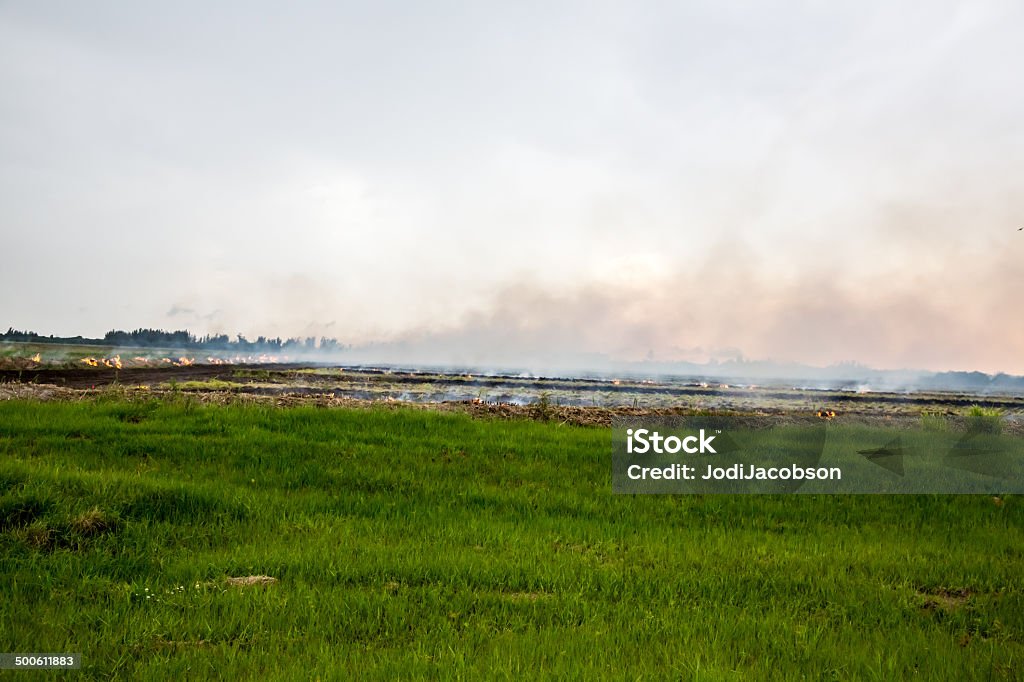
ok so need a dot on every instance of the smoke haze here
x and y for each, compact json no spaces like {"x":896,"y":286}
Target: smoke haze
{"x":554,"y":182}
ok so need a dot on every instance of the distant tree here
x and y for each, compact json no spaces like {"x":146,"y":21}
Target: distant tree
{"x":184,"y":339}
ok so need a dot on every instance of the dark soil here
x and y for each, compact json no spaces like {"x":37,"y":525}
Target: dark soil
{"x":93,"y":377}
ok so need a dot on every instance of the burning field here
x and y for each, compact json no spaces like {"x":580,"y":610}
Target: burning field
{"x":52,"y":356}
{"x":579,"y":400}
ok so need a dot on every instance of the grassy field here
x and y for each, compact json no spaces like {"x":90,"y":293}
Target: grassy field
{"x":410,"y":543}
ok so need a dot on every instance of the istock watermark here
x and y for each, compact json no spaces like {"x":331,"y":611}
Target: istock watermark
{"x":642,"y":441}
{"x":796,"y":454}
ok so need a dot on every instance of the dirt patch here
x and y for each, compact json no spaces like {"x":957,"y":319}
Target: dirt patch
{"x":251,"y":581}
{"x":944,"y":599}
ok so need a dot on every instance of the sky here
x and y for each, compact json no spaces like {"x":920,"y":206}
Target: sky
{"x":483,"y":182}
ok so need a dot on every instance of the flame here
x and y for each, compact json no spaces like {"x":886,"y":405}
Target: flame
{"x":113,"y":363}
{"x":36,"y":358}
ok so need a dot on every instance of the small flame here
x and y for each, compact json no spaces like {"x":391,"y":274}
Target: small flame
{"x":92,"y":362}
{"x":36,"y":358}
{"x":113,"y":363}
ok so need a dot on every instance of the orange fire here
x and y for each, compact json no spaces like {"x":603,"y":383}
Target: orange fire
{"x":36,"y":358}
{"x":113,"y":363}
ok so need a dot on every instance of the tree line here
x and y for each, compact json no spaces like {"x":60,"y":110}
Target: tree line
{"x":184,"y":339}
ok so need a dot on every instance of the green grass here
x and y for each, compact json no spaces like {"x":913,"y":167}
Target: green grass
{"x":934,"y":421}
{"x":259,"y":374}
{"x":412,"y":543}
{"x":207,"y":385}
{"x":985,"y":419}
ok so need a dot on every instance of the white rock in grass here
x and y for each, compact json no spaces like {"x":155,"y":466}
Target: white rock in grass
{"x":250,"y":580}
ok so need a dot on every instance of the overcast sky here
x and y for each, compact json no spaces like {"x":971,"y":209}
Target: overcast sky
{"x":797,"y":181}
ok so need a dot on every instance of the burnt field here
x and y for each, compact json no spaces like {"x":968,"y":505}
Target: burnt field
{"x":297,"y":382}
{"x":96,"y":377}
